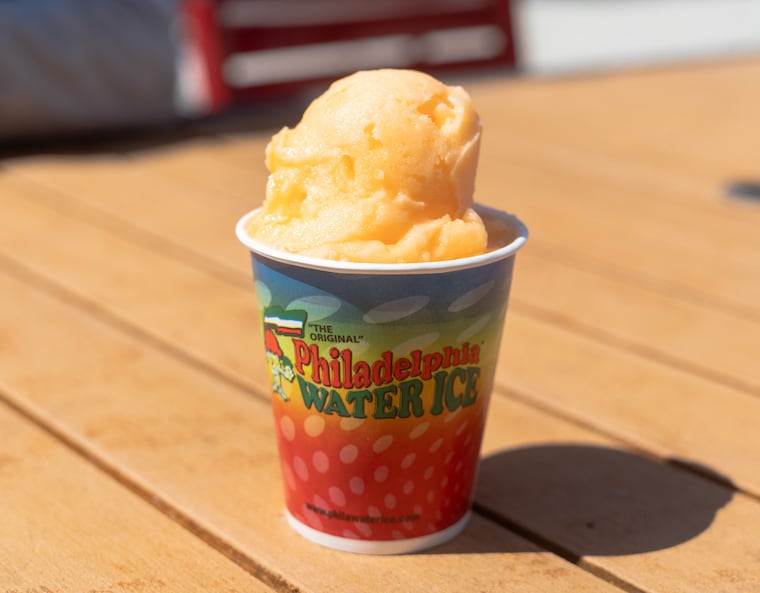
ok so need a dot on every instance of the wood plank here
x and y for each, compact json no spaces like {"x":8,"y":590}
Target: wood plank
{"x":68,"y":527}
{"x":234,"y":174}
{"x":208,"y":452}
{"x":668,"y":412}
{"x":611,"y":225}
{"x":692,"y":126}
{"x":597,"y":182}
{"x":224,"y":336}
{"x":707,"y":341}
{"x":142,"y":283}
{"x":184,"y":214}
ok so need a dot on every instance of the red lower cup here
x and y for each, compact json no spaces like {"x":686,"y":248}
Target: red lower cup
{"x":380,"y":377}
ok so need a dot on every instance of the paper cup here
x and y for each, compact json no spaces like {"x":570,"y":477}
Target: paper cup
{"x":380,"y":376}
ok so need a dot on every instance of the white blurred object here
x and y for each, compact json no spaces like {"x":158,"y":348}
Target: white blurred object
{"x":559,"y":36}
{"x":335,"y":58}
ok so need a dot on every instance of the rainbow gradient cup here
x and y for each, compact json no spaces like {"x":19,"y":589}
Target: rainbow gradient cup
{"x":380,"y":376}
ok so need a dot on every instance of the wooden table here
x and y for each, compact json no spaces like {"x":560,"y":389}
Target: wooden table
{"x":622,"y":451}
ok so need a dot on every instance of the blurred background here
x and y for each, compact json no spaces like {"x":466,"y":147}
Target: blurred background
{"x":562,"y":36}
{"x":82,"y":66}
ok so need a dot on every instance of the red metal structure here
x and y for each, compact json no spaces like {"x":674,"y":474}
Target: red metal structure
{"x":261,"y":48}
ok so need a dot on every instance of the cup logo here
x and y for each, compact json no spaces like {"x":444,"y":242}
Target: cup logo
{"x":290,"y":323}
{"x":389,"y":387}
{"x":333,"y":381}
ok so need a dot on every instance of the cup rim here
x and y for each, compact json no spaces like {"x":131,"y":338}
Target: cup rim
{"x":348,"y":267}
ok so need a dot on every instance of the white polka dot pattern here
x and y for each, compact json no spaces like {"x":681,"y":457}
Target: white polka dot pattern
{"x":471,"y":331}
{"x":321,"y":462}
{"x":299,"y":466}
{"x":417,"y":343}
{"x":382,"y":443}
{"x":381,"y":473}
{"x":410,"y":479}
{"x":408,"y":460}
{"x":263,"y":293}
{"x":356,"y":485}
{"x":288,"y":476}
{"x":395,"y":310}
{"x":287,"y":428}
{"x":318,"y":306}
{"x":314,"y":425}
{"x":337,"y":496}
{"x":349,"y":453}
{"x":471,"y":297}
{"x":419,"y":430}
{"x":349,"y":424}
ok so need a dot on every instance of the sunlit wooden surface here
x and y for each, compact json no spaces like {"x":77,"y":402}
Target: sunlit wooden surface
{"x":622,"y":451}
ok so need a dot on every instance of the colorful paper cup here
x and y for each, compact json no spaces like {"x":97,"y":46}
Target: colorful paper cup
{"x":380,"y":376}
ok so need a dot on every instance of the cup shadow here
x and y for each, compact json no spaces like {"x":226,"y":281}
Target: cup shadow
{"x":587,"y":500}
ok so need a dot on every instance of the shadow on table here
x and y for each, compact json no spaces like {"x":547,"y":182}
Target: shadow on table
{"x":259,"y":117}
{"x":582,"y":500}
